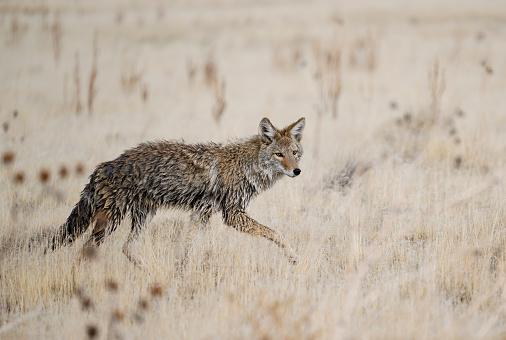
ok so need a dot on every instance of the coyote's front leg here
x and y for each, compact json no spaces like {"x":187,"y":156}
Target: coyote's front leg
{"x":241,"y":221}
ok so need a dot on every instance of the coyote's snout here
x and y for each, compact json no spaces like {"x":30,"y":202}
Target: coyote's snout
{"x":201,"y":178}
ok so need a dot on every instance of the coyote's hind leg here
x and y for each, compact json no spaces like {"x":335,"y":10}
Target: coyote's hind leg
{"x":197,"y":224}
{"x":140,"y":217}
{"x":103,"y":226}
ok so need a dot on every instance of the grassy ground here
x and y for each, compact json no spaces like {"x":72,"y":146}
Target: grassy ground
{"x":398,"y":216}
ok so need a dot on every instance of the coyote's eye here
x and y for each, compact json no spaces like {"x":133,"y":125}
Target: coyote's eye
{"x":295,"y":152}
{"x":279,"y":154}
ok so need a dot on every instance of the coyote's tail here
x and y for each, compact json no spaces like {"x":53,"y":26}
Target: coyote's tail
{"x":78,"y":221}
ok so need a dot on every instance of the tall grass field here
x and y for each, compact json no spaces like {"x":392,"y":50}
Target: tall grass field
{"x":398,"y":216}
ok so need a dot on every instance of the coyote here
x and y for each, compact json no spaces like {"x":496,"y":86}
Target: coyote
{"x":200,"y":178}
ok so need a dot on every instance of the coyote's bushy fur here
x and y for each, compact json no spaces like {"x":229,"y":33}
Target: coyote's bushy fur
{"x":201,"y":178}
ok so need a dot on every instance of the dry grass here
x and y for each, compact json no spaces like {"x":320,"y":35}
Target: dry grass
{"x":398,"y":216}
{"x":92,"y":91}
{"x":328,"y":78}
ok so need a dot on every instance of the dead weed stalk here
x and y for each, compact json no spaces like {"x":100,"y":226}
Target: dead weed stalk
{"x":93,"y":75}
{"x":56,"y":34}
{"x":77,"y":85}
{"x":219,"y":97}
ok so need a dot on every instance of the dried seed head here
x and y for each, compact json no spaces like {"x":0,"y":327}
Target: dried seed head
{"x":15,"y":113}
{"x":143,"y":304}
{"x":79,"y":169}
{"x":44,"y":175}
{"x":393,"y":105}
{"x":5,"y":126}
{"x":111,"y":285}
{"x":458,"y":162}
{"x":86,"y":303}
{"x":8,"y":157}
{"x":118,"y":315}
{"x":156,"y":291}
{"x":138,"y":318}
{"x":407,"y":117}
{"x":63,"y":172}
{"x":19,"y":177}
{"x":91,"y":331}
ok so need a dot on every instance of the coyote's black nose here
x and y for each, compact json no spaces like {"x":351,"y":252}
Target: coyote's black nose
{"x":296,"y":172}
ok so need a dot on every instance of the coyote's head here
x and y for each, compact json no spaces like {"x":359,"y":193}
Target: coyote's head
{"x":281,"y":149}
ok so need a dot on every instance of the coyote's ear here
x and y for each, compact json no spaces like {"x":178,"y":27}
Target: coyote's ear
{"x":266,"y":131}
{"x":297,"y":128}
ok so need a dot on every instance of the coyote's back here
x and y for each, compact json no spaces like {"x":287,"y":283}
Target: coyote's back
{"x":201,"y":178}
